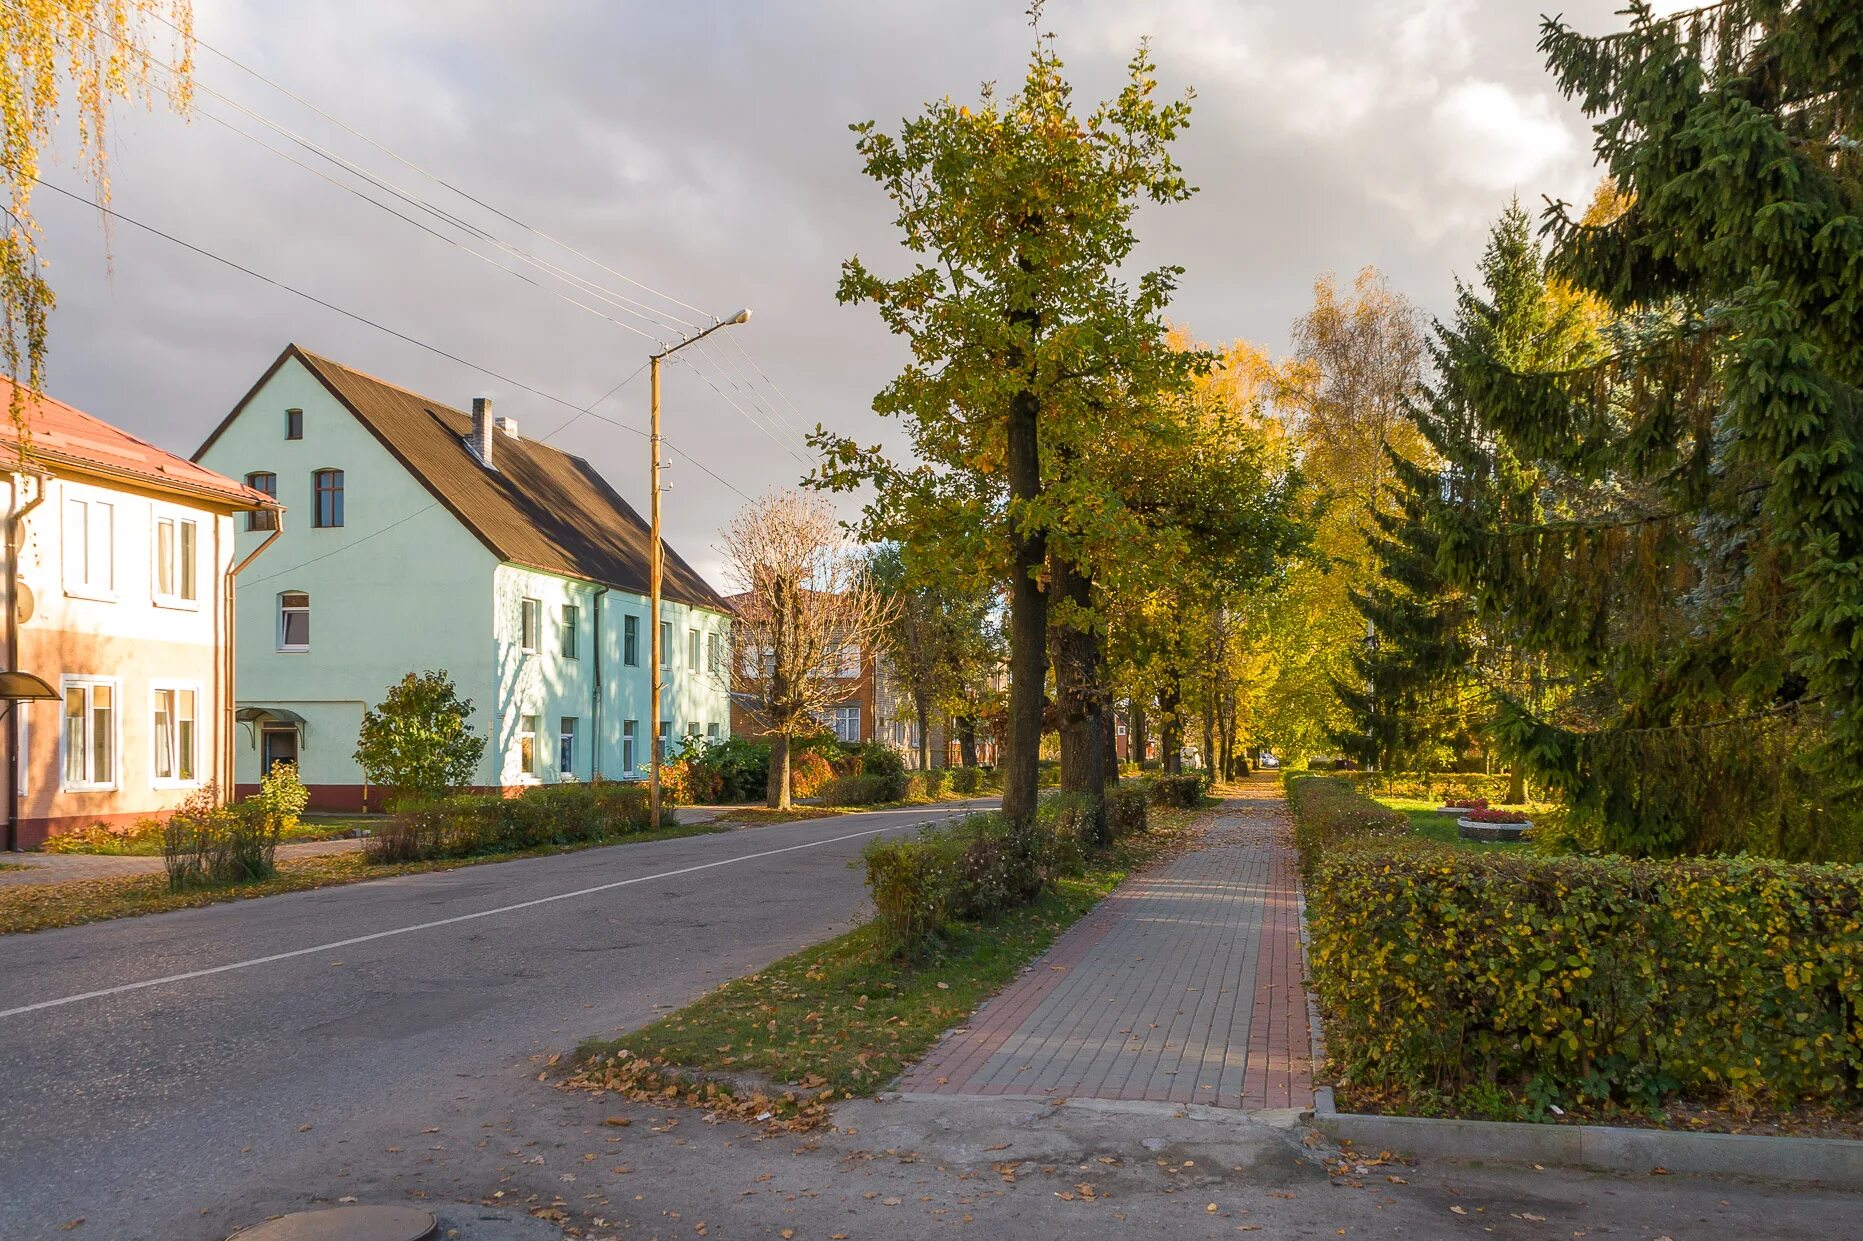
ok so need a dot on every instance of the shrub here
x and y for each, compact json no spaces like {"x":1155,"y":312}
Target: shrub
{"x":682,"y":784}
{"x":936,"y":781}
{"x":1330,"y":814}
{"x":1127,"y":809}
{"x":204,"y":842}
{"x":1047,"y":774}
{"x":883,"y":763}
{"x":551,"y":814}
{"x":142,"y":836}
{"x":418,"y":741}
{"x":1591,"y":979}
{"x":729,"y":770}
{"x":966,"y":780}
{"x":808,"y":773}
{"x":1427,"y":785}
{"x":858,"y":791}
{"x":1184,"y":792}
{"x":1484,"y":815}
{"x":281,"y":797}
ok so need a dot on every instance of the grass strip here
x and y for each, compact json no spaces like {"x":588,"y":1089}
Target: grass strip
{"x":44,"y":906}
{"x":1426,"y":822}
{"x":844,"y":1018}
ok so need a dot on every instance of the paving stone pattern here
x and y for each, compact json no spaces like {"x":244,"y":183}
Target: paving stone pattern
{"x":1184,"y":986}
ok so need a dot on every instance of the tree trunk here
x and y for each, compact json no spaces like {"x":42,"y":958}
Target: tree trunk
{"x":921,"y":706}
{"x":1209,"y":736}
{"x":1135,"y":731}
{"x":1028,"y":616}
{"x":777,"y":791}
{"x":967,"y":740}
{"x":1109,"y":743}
{"x":1517,"y":784}
{"x":1079,"y":695}
{"x":1169,"y":700}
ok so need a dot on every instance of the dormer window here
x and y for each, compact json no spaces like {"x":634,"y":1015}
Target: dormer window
{"x":294,"y":424}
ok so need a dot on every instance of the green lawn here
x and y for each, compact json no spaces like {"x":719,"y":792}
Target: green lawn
{"x":1424,"y":821}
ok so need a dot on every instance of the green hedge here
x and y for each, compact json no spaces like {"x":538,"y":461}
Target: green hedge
{"x":1185,"y":791}
{"x":1128,"y":809}
{"x":973,"y":868}
{"x":551,"y":814}
{"x":966,"y":780}
{"x":1578,"y":980}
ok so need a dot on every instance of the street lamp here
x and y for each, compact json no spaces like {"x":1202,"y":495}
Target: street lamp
{"x":656,"y":554}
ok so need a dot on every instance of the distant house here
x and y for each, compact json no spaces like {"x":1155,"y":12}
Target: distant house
{"x":855,"y":716}
{"x":118,"y":555}
{"x":419,"y":536}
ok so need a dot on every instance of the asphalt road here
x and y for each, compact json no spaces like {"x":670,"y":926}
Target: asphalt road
{"x":152,"y":1068}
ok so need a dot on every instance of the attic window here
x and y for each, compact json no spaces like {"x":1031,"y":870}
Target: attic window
{"x":294,"y":424}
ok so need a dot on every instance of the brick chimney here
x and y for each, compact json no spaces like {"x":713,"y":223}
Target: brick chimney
{"x":481,"y":441}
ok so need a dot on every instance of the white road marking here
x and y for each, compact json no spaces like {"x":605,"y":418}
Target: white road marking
{"x":428,"y":926}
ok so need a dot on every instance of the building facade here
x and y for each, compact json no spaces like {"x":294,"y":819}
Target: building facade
{"x":118,"y":556}
{"x":420,"y":537}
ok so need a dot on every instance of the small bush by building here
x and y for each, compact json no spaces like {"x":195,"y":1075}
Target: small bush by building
{"x":551,"y":814}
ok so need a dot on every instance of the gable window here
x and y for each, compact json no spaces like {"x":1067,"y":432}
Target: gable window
{"x":572,"y":631}
{"x":628,"y":731}
{"x":327,"y":486}
{"x":89,"y":739}
{"x":90,"y":548}
{"x":566,"y":731}
{"x":692,"y":650}
{"x":175,"y":736}
{"x":294,"y":424}
{"x":528,"y":728}
{"x":630,"y":643}
{"x":294,"y":621}
{"x":262,"y":519}
{"x":175,"y":541}
{"x":530,"y":625}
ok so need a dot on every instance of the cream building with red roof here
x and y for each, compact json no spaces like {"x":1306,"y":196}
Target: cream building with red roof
{"x":118,"y":563}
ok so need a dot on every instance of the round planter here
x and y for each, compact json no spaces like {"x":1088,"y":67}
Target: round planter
{"x":1454,"y":812}
{"x":1470,"y":829}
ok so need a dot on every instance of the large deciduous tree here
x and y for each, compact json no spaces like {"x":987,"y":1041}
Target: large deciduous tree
{"x":940,"y":641}
{"x":1033,"y":356}
{"x":805,"y":611}
{"x":89,"y":53}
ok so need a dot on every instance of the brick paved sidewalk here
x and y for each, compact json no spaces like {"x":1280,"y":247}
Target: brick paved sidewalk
{"x":1184,"y":986}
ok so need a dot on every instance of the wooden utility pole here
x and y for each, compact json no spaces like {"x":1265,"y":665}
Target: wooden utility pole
{"x":653,"y":591}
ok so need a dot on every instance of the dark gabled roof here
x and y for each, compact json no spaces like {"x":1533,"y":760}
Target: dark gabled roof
{"x":540,"y":508}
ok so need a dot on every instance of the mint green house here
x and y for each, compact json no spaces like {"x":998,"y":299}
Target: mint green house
{"x":416,"y":536}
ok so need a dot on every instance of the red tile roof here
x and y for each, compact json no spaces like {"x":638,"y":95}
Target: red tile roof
{"x":58,"y":435}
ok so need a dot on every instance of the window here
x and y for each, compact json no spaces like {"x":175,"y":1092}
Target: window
{"x":294,"y":424}
{"x":327,"y":486}
{"x":572,"y":631}
{"x":630,"y":643}
{"x":175,"y":736}
{"x":692,"y":650}
{"x":666,"y":741}
{"x":666,"y":644}
{"x":90,"y":548}
{"x":175,"y":542}
{"x":530,"y":625}
{"x":714,"y":652}
{"x":528,"y":728}
{"x":628,"y":729}
{"x":266,"y":481}
{"x":711,"y":732}
{"x":294,"y":621}
{"x":846,"y":724}
{"x":566,"y":731}
{"x":89,"y":739}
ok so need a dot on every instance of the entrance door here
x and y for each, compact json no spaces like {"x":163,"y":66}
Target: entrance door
{"x":277,"y":745}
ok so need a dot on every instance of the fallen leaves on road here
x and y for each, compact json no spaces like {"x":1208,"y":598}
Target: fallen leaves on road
{"x":655,"y":1081}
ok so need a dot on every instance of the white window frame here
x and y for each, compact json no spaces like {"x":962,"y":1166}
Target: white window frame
{"x":666,"y":646}
{"x":714,"y":651}
{"x":284,"y":647}
{"x":179,"y":570}
{"x":156,"y":690}
{"x":530,"y":637}
{"x":630,"y":750}
{"x":836,"y":716}
{"x":530,"y":726}
{"x":692,"y":650}
{"x":630,"y":640}
{"x":572,"y":631}
{"x":87,"y":586}
{"x":568,"y":732}
{"x":711,"y":732}
{"x":89,"y":683}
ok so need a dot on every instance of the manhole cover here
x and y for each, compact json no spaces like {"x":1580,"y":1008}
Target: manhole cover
{"x":345,"y":1224}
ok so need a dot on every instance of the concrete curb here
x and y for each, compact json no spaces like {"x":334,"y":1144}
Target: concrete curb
{"x":1834,"y":1163}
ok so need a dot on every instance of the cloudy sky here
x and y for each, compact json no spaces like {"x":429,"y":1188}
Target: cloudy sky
{"x":701,"y":149}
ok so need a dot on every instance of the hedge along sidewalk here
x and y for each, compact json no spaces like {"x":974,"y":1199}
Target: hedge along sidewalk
{"x":846,"y":1016}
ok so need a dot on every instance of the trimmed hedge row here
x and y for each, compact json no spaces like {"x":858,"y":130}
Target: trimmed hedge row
{"x":971,"y":869}
{"x":1563,"y":980}
{"x":1184,"y":792}
{"x":550,"y":814}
